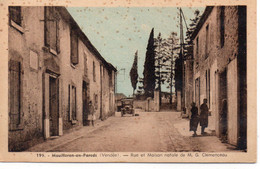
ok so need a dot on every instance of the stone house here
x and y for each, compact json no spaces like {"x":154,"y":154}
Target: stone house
{"x":54,"y":71}
{"x":219,"y":69}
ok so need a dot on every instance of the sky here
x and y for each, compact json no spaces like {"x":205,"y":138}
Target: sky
{"x":118,"y":32}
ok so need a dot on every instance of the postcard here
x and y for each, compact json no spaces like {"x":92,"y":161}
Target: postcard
{"x":128,"y":81}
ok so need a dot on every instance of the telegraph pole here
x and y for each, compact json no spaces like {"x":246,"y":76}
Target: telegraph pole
{"x":182,"y":60}
{"x":171,"y":75}
{"x":182,"y":57}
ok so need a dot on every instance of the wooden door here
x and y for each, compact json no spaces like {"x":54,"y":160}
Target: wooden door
{"x":54,"y":106}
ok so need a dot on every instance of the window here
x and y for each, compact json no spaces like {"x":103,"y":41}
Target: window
{"x":222,"y":26}
{"x":51,"y":30}
{"x":197,"y":91}
{"x":74,"y":47}
{"x":73,"y":103}
{"x":197,"y":52}
{"x":96,"y":101}
{"x":110,"y":79}
{"x":69,"y":116}
{"x":207,"y":76}
{"x":94,"y":71}
{"x":197,"y":47}
{"x":15,"y":14}
{"x":85,"y":63}
{"x":15,"y":94}
{"x":207,"y":42}
{"x":209,"y":88}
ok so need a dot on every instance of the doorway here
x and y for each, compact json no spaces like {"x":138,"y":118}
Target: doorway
{"x":85,"y":104}
{"x":54,"y":106}
{"x":197,"y":92}
{"x":223,"y":107}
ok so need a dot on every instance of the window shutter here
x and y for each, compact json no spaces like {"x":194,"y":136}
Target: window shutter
{"x":52,"y":29}
{"x":52,"y":33}
{"x":74,"y":48}
{"x":15,"y":88}
{"x":57,"y":36}
{"x":69,"y":105}
{"x":94,"y":71}
{"x":15,"y":14}
{"x":47,"y":27}
{"x":73,"y":104}
{"x":96,"y":101}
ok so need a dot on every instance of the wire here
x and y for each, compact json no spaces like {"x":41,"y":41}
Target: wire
{"x":184,"y":19}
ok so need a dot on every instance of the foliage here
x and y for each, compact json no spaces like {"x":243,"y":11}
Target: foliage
{"x":134,"y":73}
{"x":149,"y":68}
{"x":166,"y":50}
{"x":188,"y":50}
{"x":187,"y":53}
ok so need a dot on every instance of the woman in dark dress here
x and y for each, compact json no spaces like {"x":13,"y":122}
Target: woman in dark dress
{"x":194,"y":121}
{"x":204,"y":114}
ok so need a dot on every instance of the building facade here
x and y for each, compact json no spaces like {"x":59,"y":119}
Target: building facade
{"x":219,"y":70}
{"x":54,"y":71}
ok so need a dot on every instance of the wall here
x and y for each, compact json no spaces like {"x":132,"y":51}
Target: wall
{"x":70,"y":75}
{"x":140,"y":104}
{"x":38,"y":64}
{"x":25,"y":46}
{"x":149,"y":104}
{"x":233,"y":94}
{"x":94,"y":85}
{"x":188,"y":85}
{"x":217,"y":61}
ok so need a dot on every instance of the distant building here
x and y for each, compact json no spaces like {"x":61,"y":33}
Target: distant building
{"x":219,"y":69}
{"x":54,"y":71}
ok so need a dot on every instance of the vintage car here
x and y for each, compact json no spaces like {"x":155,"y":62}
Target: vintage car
{"x":127,"y":106}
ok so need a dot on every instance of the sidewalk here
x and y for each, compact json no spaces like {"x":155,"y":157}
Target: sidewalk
{"x":69,"y":136}
{"x":206,"y":143}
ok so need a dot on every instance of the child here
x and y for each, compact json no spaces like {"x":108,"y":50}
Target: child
{"x":91,"y":116}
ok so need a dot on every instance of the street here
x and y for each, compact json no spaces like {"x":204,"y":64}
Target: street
{"x":148,"y":132}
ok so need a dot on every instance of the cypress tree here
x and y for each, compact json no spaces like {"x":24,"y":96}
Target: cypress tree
{"x":149,"y":68}
{"x":134,"y":73}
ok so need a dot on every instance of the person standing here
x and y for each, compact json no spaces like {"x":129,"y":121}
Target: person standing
{"x":194,"y":121}
{"x":91,"y":116}
{"x":204,"y":113}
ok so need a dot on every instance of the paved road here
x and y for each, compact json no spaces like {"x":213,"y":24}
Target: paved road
{"x":148,"y":132}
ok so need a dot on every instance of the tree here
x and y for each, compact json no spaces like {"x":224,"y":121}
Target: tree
{"x":149,"y":68}
{"x":186,"y":53}
{"x":134,"y":73}
{"x":164,"y":61}
{"x":162,"y":56}
{"x":188,"y":50}
{"x":172,"y":43}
